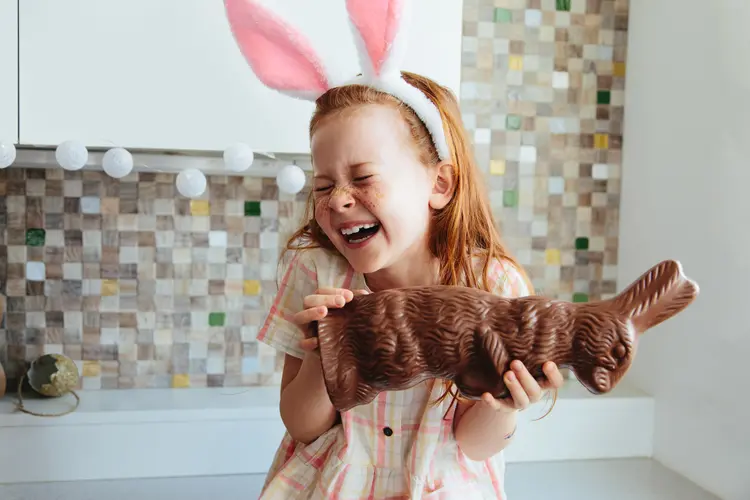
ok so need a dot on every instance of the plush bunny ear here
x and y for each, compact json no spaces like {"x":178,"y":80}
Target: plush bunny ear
{"x":379,"y":34}
{"x":281,"y":57}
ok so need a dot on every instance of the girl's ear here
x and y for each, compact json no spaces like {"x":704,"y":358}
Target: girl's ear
{"x":444,"y":185}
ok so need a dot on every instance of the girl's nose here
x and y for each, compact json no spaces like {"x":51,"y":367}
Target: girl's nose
{"x":341,"y":199}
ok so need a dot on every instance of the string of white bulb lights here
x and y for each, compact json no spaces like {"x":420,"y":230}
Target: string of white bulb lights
{"x":118,"y":162}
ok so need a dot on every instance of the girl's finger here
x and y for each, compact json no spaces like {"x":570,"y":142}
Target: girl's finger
{"x":554,"y":376}
{"x":324,"y":300}
{"x":347,"y":294}
{"x":529,"y":385}
{"x":520,"y":399}
{"x":492,"y":402}
{"x":308,"y":315}
{"x":309,"y":344}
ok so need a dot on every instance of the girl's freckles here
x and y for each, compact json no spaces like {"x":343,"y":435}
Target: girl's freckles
{"x":322,"y":205}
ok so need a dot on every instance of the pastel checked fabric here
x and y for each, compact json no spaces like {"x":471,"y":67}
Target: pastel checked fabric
{"x":397,"y":447}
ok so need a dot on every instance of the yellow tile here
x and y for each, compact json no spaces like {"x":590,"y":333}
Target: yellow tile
{"x":199,"y":207}
{"x":109,"y":288}
{"x":601,"y":141}
{"x":553,"y":257}
{"x":91,"y":369}
{"x":619,"y":69}
{"x":252,"y":287}
{"x":180,"y":381}
{"x":515,"y":63}
{"x":497,"y":167}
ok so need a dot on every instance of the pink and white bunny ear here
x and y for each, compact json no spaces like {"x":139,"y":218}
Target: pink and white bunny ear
{"x":281,"y":57}
{"x":379,"y":34}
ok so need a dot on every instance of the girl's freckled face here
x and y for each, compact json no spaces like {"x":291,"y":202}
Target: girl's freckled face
{"x":367,"y":171}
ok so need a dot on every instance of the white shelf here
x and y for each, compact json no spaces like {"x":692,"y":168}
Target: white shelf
{"x":200,"y":432}
{"x":171,"y":162}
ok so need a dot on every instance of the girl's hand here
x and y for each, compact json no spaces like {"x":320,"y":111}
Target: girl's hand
{"x":524,"y":389}
{"x":316,"y":307}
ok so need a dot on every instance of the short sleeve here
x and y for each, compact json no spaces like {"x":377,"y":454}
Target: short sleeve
{"x":508,"y":280}
{"x":296,"y":281}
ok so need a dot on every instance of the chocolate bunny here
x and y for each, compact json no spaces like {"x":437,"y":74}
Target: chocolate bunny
{"x":395,"y":339}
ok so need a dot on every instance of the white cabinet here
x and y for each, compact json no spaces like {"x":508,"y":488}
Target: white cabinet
{"x":8,"y":71}
{"x":167,"y":74}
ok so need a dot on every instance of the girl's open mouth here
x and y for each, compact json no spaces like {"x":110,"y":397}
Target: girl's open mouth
{"x":360,"y":233}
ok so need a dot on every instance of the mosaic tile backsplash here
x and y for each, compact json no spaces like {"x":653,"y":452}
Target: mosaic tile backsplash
{"x":144,"y":288}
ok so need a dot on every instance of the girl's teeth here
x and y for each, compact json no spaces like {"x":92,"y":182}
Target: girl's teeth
{"x":355,"y":229}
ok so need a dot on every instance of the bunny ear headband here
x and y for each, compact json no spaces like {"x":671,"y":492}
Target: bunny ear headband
{"x":283,"y":59}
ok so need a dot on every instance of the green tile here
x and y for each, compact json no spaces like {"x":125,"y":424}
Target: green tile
{"x":580,"y":297}
{"x":35,"y":237}
{"x":582,"y":243}
{"x":503,"y":15}
{"x":603,"y":97}
{"x":252,"y":208}
{"x":563,"y":5}
{"x":513,"y":122}
{"x":510,"y":198}
{"x":216,"y":319}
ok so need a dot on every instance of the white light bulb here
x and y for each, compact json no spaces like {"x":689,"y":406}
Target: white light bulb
{"x":238,"y":157}
{"x":7,"y":154}
{"x":117,"y":162}
{"x":291,"y":179}
{"x":191,"y":183}
{"x":71,"y":155}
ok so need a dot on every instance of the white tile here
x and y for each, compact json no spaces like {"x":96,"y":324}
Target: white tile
{"x":557,"y":125}
{"x":269,"y":240}
{"x":556,"y":185}
{"x":35,"y":271}
{"x":560,"y":80}
{"x":501,"y":46}
{"x":485,"y":29}
{"x":217,"y":238}
{"x":215,"y":366}
{"x":129,"y":255}
{"x":269,"y":209}
{"x":533,"y":17}
{"x":90,"y":205}
{"x":600,"y":171}
{"x":481,"y":136}
{"x":528,"y":154}
{"x":606,"y":52}
{"x":539,"y":228}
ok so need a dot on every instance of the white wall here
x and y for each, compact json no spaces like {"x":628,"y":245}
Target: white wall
{"x":686,"y":195}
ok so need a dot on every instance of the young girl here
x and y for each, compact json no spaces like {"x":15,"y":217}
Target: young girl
{"x":397,"y":200}
{"x":387,"y":213}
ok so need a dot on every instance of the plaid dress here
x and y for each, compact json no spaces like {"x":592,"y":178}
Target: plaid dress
{"x":401,"y":445}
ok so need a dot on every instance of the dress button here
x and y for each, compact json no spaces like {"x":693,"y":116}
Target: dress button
{"x":388,"y":431}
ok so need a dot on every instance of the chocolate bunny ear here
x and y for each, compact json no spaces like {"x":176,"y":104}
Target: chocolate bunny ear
{"x":281,"y":57}
{"x":660,"y":293}
{"x":379,"y":34}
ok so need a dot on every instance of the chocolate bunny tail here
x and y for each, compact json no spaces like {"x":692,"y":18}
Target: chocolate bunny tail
{"x":660,"y":293}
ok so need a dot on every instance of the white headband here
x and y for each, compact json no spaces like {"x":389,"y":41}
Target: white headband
{"x":284,"y":60}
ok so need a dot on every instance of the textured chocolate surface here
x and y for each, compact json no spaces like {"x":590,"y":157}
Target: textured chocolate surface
{"x":395,"y":339}
{"x":3,"y":382}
